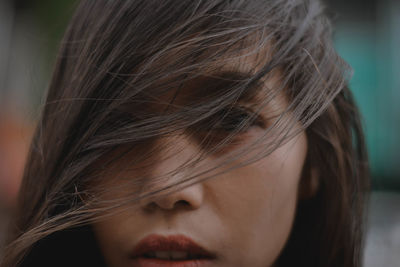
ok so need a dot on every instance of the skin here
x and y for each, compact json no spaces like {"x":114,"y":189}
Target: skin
{"x":244,"y":216}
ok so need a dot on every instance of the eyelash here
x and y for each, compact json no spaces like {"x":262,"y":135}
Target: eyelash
{"x":237,"y":119}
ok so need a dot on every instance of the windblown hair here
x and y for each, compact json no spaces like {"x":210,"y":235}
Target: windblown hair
{"x":121,"y":71}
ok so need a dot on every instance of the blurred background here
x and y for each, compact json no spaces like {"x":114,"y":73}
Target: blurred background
{"x":367,"y":35}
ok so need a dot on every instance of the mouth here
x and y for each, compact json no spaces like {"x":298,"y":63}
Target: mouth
{"x":171,"y":251}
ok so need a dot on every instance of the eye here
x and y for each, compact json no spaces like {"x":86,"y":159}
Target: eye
{"x":236,"y":119}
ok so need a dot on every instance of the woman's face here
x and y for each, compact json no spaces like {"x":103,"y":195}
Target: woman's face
{"x":242,"y":217}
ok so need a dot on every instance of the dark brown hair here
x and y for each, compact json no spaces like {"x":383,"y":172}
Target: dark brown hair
{"x":119,"y":71}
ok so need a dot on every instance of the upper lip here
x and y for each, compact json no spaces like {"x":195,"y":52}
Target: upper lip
{"x":155,"y":242}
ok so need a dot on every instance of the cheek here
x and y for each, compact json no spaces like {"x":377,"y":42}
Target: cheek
{"x":112,"y":237}
{"x":260,"y":202}
{"x":117,"y":234}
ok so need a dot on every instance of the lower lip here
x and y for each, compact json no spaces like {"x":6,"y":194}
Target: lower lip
{"x":148,"y":262}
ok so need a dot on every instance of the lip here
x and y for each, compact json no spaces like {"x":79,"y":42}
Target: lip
{"x":155,"y":242}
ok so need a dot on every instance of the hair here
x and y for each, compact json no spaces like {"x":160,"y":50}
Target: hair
{"x":119,"y":71}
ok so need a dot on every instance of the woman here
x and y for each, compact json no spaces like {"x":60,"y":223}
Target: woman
{"x":195,"y":133}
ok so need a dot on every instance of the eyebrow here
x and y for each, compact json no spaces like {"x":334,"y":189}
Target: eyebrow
{"x":219,"y":83}
{"x":201,"y":89}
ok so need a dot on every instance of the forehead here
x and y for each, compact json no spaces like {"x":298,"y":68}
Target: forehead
{"x":239,"y":79}
{"x":193,"y":77}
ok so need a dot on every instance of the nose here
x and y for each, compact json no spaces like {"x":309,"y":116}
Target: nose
{"x":187,"y":195}
{"x":190,"y":197}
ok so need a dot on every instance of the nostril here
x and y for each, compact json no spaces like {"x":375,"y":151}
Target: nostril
{"x":188,"y":198}
{"x":171,"y":205}
{"x":150,"y":207}
{"x":182,"y":203}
